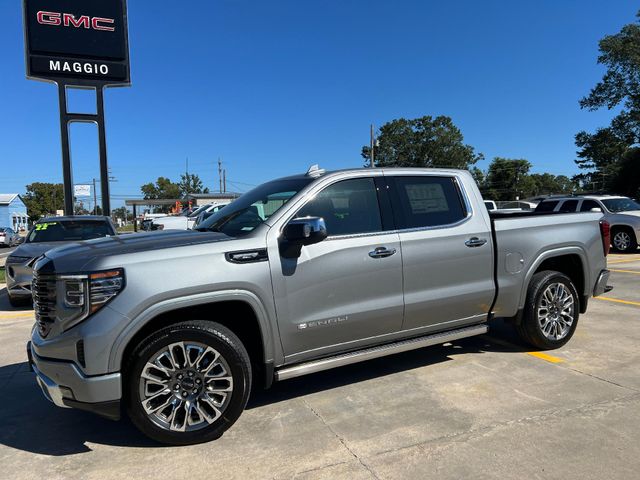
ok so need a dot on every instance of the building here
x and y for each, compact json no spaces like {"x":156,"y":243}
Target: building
{"x":13,"y":212}
{"x":213,"y":198}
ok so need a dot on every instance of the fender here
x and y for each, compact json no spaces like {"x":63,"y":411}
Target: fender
{"x":266,"y":330}
{"x":556,"y":252}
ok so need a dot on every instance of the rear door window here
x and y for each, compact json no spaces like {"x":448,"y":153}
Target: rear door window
{"x":569,"y":206}
{"x":547,"y":206}
{"x":426,"y":201}
{"x":587,"y":205}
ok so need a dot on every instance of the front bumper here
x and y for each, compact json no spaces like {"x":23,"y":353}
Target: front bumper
{"x":19,"y":277}
{"x":66,"y":386}
{"x":601,"y":284}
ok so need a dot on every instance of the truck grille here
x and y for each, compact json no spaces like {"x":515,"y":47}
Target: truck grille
{"x":44,"y":302}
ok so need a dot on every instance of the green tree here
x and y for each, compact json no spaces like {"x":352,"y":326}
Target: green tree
{"x":605,"y":151}
{"x":507,"y":179}
{"x":191,"y":183}
{"x":122,"y":212}
{"x":163,"y":188}
{"x":43,"y":199}
{"x":421,"y":142}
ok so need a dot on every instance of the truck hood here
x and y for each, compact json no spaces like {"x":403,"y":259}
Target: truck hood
{"x":75,"y":255}
{"x":33,"y":250}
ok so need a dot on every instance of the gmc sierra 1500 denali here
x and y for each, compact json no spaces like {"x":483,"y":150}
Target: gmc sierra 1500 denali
{"x":301,"y":274}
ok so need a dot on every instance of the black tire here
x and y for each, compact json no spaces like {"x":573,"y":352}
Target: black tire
{"x":19,"y":302}
{"x":211,"y":334}
{"x":530,"y":329}
{"x":629,"y":244}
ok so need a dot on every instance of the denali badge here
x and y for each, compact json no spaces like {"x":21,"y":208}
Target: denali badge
{"x":323,"y":323}
{"x":69,"y":20}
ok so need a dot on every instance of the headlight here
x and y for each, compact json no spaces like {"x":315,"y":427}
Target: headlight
{"x":103,"y":287}
{"x":86,"y":294}
{"x":15,"y":259}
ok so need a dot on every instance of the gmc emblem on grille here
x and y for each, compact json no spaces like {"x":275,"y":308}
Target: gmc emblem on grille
{"x":69,"y":20}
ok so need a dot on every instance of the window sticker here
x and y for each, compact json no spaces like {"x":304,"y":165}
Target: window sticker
{"x":44,"y":226}
{"x":426,"y":198}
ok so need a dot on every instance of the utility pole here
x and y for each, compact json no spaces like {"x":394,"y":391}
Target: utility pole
{"x":220,"y":172}
{"x":95,"y":198}
{"x":373,"y":142}
{"x":224,"y":180}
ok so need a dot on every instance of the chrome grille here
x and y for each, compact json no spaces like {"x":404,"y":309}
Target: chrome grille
{"x":44,"y":302}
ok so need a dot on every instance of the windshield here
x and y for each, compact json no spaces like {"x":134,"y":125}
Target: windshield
{"x":68,"y":230}
{"x":250,"y":210}
{"x":616,"y":205}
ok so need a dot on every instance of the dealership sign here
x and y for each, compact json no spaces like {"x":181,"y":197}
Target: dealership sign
{"x":77,"y":40}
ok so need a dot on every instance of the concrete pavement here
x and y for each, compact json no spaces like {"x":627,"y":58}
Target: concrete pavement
{"x":481,"y":408}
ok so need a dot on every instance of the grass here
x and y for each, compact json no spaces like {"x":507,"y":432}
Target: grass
{"x":2,"y":277}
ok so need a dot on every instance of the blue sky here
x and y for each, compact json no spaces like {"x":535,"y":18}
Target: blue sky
{"x":272,"y":87}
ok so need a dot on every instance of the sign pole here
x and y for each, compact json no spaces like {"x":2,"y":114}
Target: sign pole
{"x":102,"y":139}
{"x":67,"y":174}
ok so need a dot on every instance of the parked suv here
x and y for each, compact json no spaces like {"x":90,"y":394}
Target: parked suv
{"x":622,"y":213}
{"x":299,"y":275}
{"x":48,"y":233}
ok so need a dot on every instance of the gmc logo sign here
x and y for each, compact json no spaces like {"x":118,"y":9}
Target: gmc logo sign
{"x":70,"y":20}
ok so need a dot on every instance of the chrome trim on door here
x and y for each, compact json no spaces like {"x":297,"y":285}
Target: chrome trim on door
{"x":382,"y":252}
{"x":475,"y":242}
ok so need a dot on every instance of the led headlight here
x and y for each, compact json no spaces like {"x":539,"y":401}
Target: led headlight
{"x":103,"y":286}
{"x":86,"y":294}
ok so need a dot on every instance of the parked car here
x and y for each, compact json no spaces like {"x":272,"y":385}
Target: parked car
{"x":8,"y":237}
{"x":299,"y":275}
{"x":186,"y":222}
{"x":622,"y":213}
{"x":48,"y":233}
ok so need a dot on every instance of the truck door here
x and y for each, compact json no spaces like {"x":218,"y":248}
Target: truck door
{"x":347,"y":288}
{"x":446,"y":252}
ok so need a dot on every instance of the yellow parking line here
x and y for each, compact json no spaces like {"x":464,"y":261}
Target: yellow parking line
{"x":544,"y":356}
{"x":13,"y":316}
{"x":624,"y":261}
{"x":617,"y":300}
{"x":636,"y":272}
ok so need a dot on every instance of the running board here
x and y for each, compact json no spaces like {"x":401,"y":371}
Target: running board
{"x":379,"y":351}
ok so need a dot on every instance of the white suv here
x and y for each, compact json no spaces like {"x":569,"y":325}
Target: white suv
{"x":622,"y":213}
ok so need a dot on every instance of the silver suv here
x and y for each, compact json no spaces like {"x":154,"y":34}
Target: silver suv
{"x":622,"y":214}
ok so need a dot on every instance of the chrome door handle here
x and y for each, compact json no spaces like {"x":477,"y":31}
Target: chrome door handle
{"x":475,"y":242}
{"x":382,"y":252}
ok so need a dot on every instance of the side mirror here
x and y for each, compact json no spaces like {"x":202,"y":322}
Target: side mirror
{"x":20,"y":240}
{"x":299,"y":232}
{"x":596,"y":210}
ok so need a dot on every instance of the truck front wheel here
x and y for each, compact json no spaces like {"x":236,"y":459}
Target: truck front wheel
{"x":551,"y":311}
{"x":187,"y":383}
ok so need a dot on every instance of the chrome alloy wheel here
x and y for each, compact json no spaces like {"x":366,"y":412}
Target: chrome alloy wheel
{"x":556,"y":311}
{"x":185,"y":386}
{"x":621,"y":240}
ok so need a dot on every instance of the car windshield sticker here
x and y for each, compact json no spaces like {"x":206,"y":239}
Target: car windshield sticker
{"x":44,"y":226}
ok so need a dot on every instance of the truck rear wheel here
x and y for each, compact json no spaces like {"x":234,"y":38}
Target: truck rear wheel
{"x":187,"y":383}
{"x":551,"y":311}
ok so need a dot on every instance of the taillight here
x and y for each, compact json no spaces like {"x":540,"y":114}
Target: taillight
{"x":605,"y":232}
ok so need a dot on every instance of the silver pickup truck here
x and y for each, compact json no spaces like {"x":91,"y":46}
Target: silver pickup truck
{"x":299,"y":275}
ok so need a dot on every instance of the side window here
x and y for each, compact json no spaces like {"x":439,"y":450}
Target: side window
{"x":546,"y":206}
{"x":348,"y":207}
{"x":587,"y":205}
{"x":426,"y":201}
{"x":569,"y":206}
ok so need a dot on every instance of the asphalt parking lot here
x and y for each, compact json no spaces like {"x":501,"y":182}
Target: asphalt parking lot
{"x":483,"y":407}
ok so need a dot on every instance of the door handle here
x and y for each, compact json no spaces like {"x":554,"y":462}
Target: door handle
{"x":475,"y":242}
{"x":382,"y":252}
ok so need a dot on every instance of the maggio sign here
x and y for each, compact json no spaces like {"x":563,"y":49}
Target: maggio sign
{"x":77,"y":40}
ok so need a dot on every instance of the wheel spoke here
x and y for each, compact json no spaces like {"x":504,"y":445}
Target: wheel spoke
{"x":147,"y":404}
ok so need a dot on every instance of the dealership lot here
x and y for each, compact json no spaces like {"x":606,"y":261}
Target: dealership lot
{"x":480,"y":408}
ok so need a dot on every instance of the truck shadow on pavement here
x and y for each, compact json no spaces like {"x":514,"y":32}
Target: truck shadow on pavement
{"x":31,"y":423}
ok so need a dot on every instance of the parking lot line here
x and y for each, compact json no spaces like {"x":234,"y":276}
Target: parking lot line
{"x":636,"y":272}
{"x":14,"y":316}
{"x":631,"y":260}
{"x":617,"y":300}
{"x":544,"y":356}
